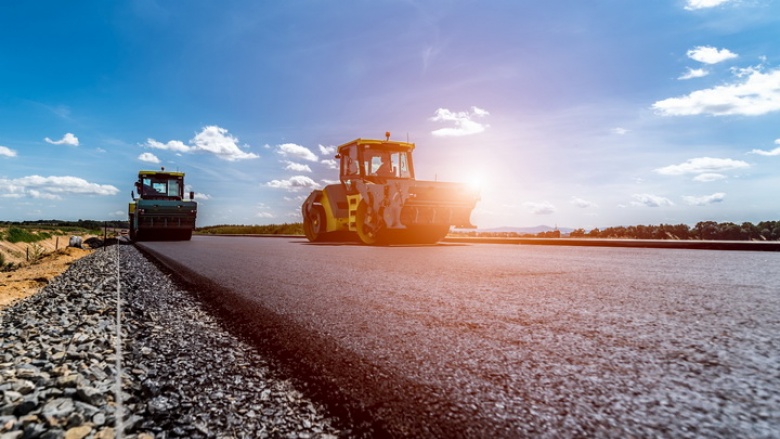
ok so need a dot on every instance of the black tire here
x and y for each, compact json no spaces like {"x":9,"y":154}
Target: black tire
{"x":369,"y":233}
{"x":315,"y":224}
{"x":132,"y":229}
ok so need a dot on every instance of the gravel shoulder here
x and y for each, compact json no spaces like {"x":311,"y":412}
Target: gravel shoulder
{"x":181,"y":373}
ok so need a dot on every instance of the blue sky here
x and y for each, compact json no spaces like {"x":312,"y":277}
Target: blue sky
{"x":570,"y":113}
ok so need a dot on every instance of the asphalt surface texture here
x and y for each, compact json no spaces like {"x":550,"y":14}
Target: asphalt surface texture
{"x":459,"y":340}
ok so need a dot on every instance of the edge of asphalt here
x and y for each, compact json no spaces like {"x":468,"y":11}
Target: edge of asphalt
{"x":690,"y":244}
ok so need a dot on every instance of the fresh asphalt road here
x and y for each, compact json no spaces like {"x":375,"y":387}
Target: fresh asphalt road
{"x":478,"y":340}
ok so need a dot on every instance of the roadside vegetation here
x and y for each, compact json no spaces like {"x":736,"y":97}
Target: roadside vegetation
{"x":703,"y":230}
{"x":16,"y":234}
{"x":59,"y":227}
{"x":269,"y":229}
{"x":29,"y":242}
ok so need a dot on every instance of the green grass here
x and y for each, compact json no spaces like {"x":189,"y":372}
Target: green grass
{"x":35,"y":253}
{"x":269,"y":229}
{"x":16,"y":234}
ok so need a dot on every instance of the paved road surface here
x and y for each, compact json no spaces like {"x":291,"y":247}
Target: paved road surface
{"x":511,"y":341}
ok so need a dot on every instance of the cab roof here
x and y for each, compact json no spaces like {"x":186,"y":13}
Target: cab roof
{"x":172,"y":174}
{"x":389,"y":144}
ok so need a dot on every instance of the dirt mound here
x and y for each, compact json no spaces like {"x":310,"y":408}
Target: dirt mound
{"x":31,"y":276}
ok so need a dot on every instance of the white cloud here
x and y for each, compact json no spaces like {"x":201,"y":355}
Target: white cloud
{"x":757,"y":95}
{"x":703,"y":165}
{"x":294,"y":184}
{"x":650,"y":200}
{"x":297,"y":167}
{"x":741,"y":72}
{"x":36,"y":186}
{"x":148,"y":157}
{"x":708,"y":177}
{"x":211,"y":139}
{"x":326,"y":181}
{"x":619,"y":131}
{"x":710,"y":55}
{"x":296,"y":151}
{"x":330,"y":163}
{"x":217,"y":141}
{"x":693,"y":73}
{"x":34,"y":193}
{"x":202,"y":197}
{"x":327,"y":150}
{"x":263,"y":211}
{"x":704,"y":200}
{"x":463,"y":120}
{"x":543,"y":208}
{"x":579,"y":202}
{"x":7,"y":152}
{"x":703,"y":4}
{"x":773,"y":152}
{"x":68,"y":139}
{"x":173,"y":145}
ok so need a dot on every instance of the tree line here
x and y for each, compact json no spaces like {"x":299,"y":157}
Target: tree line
{"x":703,"y":230}
{"x":67,"y":225}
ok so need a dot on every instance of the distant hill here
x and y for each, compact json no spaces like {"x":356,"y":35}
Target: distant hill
{"x":521,"y":230}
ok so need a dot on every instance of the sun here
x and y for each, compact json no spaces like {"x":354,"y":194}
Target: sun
{"x":475,"y":183}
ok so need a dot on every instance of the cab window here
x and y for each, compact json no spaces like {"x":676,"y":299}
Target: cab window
{"x":160,"y":187}
{"x":403,"y":166}
{"x":350,"y":163}
{"x":387,"y":163}
{"x":173,"y":188}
